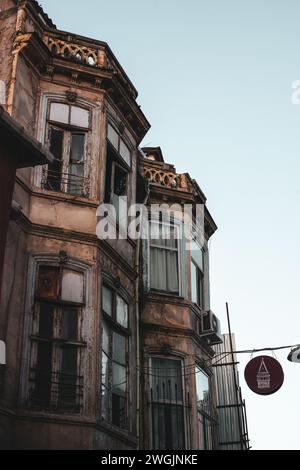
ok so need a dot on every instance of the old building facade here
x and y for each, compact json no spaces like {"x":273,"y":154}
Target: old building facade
{"x":109,"y":342}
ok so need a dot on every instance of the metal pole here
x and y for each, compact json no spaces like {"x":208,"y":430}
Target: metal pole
{"x":234,"y":375}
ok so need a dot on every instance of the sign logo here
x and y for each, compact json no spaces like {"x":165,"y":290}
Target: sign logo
{"x":264,"y":375}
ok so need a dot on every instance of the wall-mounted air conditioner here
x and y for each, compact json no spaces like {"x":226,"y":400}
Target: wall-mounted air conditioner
{"x":210,"y":327}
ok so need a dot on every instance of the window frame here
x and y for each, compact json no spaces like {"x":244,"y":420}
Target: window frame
{"x":120,"y":139}
{"x":177,"y":228}
{"x":182,"y":405}
{"x":58,"y":342}
{"x":114,"y":327}
{"x":68,"y":131}
{"x":206,"y":421}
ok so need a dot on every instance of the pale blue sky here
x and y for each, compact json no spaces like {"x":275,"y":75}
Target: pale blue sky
{"x":214,"y":79}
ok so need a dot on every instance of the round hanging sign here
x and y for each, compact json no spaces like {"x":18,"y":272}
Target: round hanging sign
{"x":264,"y":375}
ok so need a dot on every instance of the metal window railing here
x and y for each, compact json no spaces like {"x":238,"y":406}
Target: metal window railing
{"x":65,"y":183}
{"x":56,"y":391}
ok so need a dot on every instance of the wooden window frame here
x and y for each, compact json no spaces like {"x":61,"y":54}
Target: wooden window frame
{"x":114,"y":326}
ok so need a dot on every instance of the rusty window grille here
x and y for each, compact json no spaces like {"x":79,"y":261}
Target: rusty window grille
{"x":56,"y":344}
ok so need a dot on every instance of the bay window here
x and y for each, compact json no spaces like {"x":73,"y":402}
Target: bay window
{"x":115,"y":344}
{"x":68,"y":128}
{"x":164,"y":258}
{"x":57,"y":346}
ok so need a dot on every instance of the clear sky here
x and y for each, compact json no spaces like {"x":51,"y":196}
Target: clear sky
{"x":214,"y":79}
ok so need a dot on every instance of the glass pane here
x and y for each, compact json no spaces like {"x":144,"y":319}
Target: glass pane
{"x":202,"y":388}
{"x":119,"y":348}
{"x":46,"y":320}
{"x":125,"y":153}
{"x":119,"y":380}
{"x":172,"y":272}
{"x":163,"y":235}
{"x":197,"y":254}
{"x":59,"y":112}
{"x":168,"y":427}
{"x":70,"y":323}
{"x":167,"y":380}
{"x":105,"y":338}
{"x":120,"y":184}
{"x":164,"y":270}
{"x":76,"y":184}
{"x":194,"y":283}
{"x":72,"y":286}
{"x":105,"y":375}
{"x":77,"y":148}
{"x":113,"y":136}
{"x":48,"y":282}
{"x":158,"y":269}
{"x":122,"y":312}
{"x":107,"y":300}
{"x":79,"y":117}
{"x":118,"y":410}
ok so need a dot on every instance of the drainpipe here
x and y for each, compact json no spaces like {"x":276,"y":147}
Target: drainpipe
{"x":138,"y":365}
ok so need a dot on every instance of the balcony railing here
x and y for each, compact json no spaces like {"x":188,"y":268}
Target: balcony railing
{"x":165,"y":178}
{"x":56,"y":391}
{"x":65,"y":183}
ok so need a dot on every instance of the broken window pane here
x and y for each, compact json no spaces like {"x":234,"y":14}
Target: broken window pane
{"x":59,"y":113}
{"x":79,"y":117}
{"x":55,"y":167}
{"x":122,"y":312}
{"x":72,"y":286}
{"x":113,"y":137}
{"x":125,"y":152}
{"x":107,"y":300}
{"x":48,"y":282}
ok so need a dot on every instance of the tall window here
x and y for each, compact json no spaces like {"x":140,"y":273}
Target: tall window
{"x":68,"y":126}
{"x":115,"y":343}
{"x":118,"y":163}
{"x":206,"y":419}
{"x":197,"y":274}
{"x":164,"y":258}
{"x":167,"y":405}
{"x":56,"y":343}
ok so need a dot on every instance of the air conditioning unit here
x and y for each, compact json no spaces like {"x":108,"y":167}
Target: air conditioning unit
{"x":210,"y":327}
